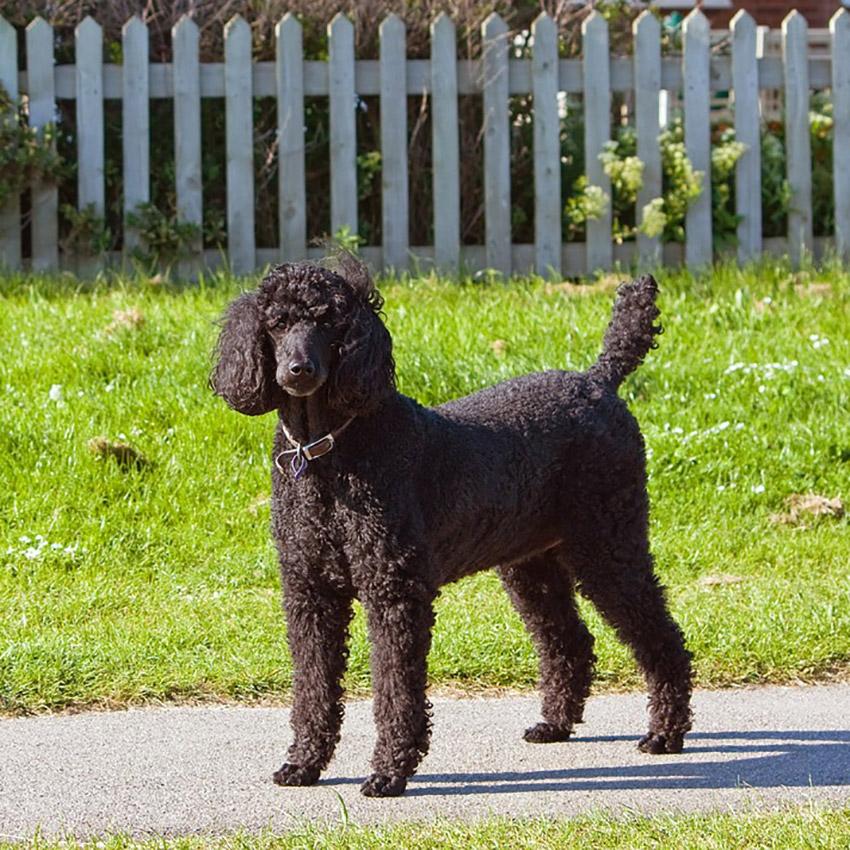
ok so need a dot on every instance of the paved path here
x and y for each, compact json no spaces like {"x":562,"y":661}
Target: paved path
{"x":189,"y":770}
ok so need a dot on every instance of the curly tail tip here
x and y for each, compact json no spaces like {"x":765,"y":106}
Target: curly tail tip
{"x":631,"y":332}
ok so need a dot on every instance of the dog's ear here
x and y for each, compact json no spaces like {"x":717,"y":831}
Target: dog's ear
{"x":244,"y":371}
{"x":365,"y":371}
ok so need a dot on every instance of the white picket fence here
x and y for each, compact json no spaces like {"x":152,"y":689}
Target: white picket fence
{"x":495,"y":77}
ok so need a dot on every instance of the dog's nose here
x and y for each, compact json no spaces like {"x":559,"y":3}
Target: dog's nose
{"x":302,"y":367}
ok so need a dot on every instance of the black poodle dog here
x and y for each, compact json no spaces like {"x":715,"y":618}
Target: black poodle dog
{"x":541,"y":477}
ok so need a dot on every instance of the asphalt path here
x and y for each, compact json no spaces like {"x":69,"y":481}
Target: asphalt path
{"x":208,"y":770}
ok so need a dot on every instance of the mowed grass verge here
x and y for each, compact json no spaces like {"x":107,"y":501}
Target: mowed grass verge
{"x":792,"y":828}
{"x":126,"y":582}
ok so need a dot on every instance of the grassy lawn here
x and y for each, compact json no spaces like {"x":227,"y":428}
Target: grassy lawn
{"x":154,"y":581}
{"x":793,"y":828}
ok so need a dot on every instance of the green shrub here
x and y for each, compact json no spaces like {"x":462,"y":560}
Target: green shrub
{"x":27,"y":155}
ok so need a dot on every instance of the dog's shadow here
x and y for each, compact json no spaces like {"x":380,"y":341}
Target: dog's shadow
{"x":791,"y":759}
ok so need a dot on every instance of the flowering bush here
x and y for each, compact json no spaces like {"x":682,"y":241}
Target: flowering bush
{"x":725,"y":153}
{"x":587,"y":203}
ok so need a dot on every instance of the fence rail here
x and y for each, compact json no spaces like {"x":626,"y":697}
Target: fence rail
{"x":495,"y":77}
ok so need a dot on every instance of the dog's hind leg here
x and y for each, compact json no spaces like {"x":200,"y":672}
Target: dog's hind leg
{"x":317,"y":632}
{"x":542,"y":591}
{"x":623,"y":586}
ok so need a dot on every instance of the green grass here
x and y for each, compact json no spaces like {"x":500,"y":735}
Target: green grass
{"x":121,"y":586}
{"x":792,"y":828}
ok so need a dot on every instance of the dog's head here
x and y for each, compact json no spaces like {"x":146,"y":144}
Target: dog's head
{"x":307,"y":329}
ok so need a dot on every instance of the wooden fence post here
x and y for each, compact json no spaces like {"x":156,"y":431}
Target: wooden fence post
{"x":745,"y":85}
{"x":187,"y":136}
{"x":10,"y":215}
{"x":445,"y":144}
{"x":42,"y":110}
{"x":497,"y":145}
{"x":647,"y":53}
{"x":839,"y":30}
{"x":135,"y":125}
{"x":696,"y":65}
{"x":394,"y":201}
{"x":292,"y":186}
{"x":798,"y":146}
{"x":239,"y":131}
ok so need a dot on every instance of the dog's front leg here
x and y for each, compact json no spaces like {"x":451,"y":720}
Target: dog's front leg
{"x":400,"y":621}
{"x":317,"y":632}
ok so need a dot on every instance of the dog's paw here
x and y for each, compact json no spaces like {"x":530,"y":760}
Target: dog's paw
{"x":657,"y":744}
{"x":296,"y":774}
{"x":383,"y":786}
{"x":546,"y":733}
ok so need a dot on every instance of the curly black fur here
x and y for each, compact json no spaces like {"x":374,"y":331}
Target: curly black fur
{"x":542,"y":477}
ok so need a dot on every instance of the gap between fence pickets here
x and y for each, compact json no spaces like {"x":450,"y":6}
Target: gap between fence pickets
{"x":496,"y":75}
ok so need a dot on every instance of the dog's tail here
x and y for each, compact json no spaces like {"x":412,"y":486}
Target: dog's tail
{"x":631,"y":332}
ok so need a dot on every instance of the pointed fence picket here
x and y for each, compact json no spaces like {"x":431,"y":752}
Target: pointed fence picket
{"x":749,"y":70}
{"x":697,"y":97}
{"x":798,"y":144}
{"x":186,"y":81}
{"x":839,"y":30}
{"x":292,"y":184}
{"x":495,"y":71}
{"x":41,"y":91}
{"x":135,"y":117}
{"x":445,"y":144}
{"x":394,"y":202}
{"x":647,"y":90}
{"x":239,"y":134}
{"x":547,"y":148}
{"x":597,"y":132}
{"x":90,"y":138}
{"x":10,"y":214}
{"x":745,"y":87}
{"x":343,"y":127}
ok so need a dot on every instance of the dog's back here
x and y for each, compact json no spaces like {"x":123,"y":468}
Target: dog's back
{"x":505,"y":467}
